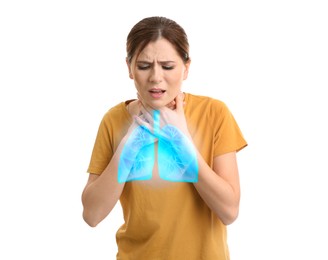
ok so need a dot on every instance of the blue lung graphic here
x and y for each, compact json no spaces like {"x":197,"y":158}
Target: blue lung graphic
{"x":138,"y":157}
{"x":177,"y":158}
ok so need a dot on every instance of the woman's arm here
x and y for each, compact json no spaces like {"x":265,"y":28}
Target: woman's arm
{"x":220,"y":188}
{"x":102,"y":192}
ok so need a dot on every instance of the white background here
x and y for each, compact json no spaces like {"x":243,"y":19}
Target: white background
{"x":62,"y":66}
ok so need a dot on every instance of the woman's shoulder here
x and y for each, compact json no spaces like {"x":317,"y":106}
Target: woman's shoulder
{"x":203,"y":100}
{"x":118,"y":111}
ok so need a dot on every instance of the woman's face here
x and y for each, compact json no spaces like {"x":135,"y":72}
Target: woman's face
{"x":158,"y":73}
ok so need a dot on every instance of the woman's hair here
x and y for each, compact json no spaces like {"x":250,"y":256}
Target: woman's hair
{"x":153,"y":28}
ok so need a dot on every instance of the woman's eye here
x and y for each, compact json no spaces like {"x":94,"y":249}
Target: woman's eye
{"x":168,"y":67}
{"x":143,"y":67}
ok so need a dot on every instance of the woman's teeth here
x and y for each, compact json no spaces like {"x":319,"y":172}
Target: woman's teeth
{"x":157,"y":91}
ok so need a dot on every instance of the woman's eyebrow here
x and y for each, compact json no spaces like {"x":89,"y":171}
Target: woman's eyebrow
{"x":160,"y":62}
{"x":143,"y":61}
{"x":166,"y":62}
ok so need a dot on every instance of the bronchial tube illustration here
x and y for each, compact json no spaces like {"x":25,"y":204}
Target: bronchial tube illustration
{"x":177,"y":157}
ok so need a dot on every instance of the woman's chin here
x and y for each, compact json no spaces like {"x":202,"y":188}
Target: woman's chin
{"x":158,"y":104}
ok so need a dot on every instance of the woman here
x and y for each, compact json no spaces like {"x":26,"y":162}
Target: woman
{"x":165,"y":218}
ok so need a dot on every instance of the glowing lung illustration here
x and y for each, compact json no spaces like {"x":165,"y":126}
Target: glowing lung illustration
{"x":138,"y":157}
{"x":177,"y":158}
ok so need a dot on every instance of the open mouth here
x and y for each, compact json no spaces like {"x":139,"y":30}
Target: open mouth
{"x":157,"y":91}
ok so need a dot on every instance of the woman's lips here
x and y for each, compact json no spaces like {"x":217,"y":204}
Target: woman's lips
{"x":157,"y":93}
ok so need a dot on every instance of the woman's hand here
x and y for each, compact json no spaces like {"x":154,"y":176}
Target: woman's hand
{"x":172,"y":114}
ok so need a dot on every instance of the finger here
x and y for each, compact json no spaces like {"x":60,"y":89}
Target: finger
{"x":144,"y":124}
{"x":171,"y":105}
{"x":179,"y":102}
{"x":146,"y":114}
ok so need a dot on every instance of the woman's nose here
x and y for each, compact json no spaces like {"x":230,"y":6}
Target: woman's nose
{"x":156,"y":75}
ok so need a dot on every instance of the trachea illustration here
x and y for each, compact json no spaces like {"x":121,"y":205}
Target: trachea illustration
{"x":177,"y":158}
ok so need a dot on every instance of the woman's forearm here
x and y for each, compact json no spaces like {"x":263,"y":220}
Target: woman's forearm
{"x":221,"y":195}
{"x":101,"y":194}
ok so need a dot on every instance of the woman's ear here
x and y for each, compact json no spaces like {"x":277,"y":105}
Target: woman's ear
{"x":186,"y":72}
{"x":129,"y":68}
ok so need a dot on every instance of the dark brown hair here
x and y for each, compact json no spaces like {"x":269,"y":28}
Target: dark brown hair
{"x":153,"y":28}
